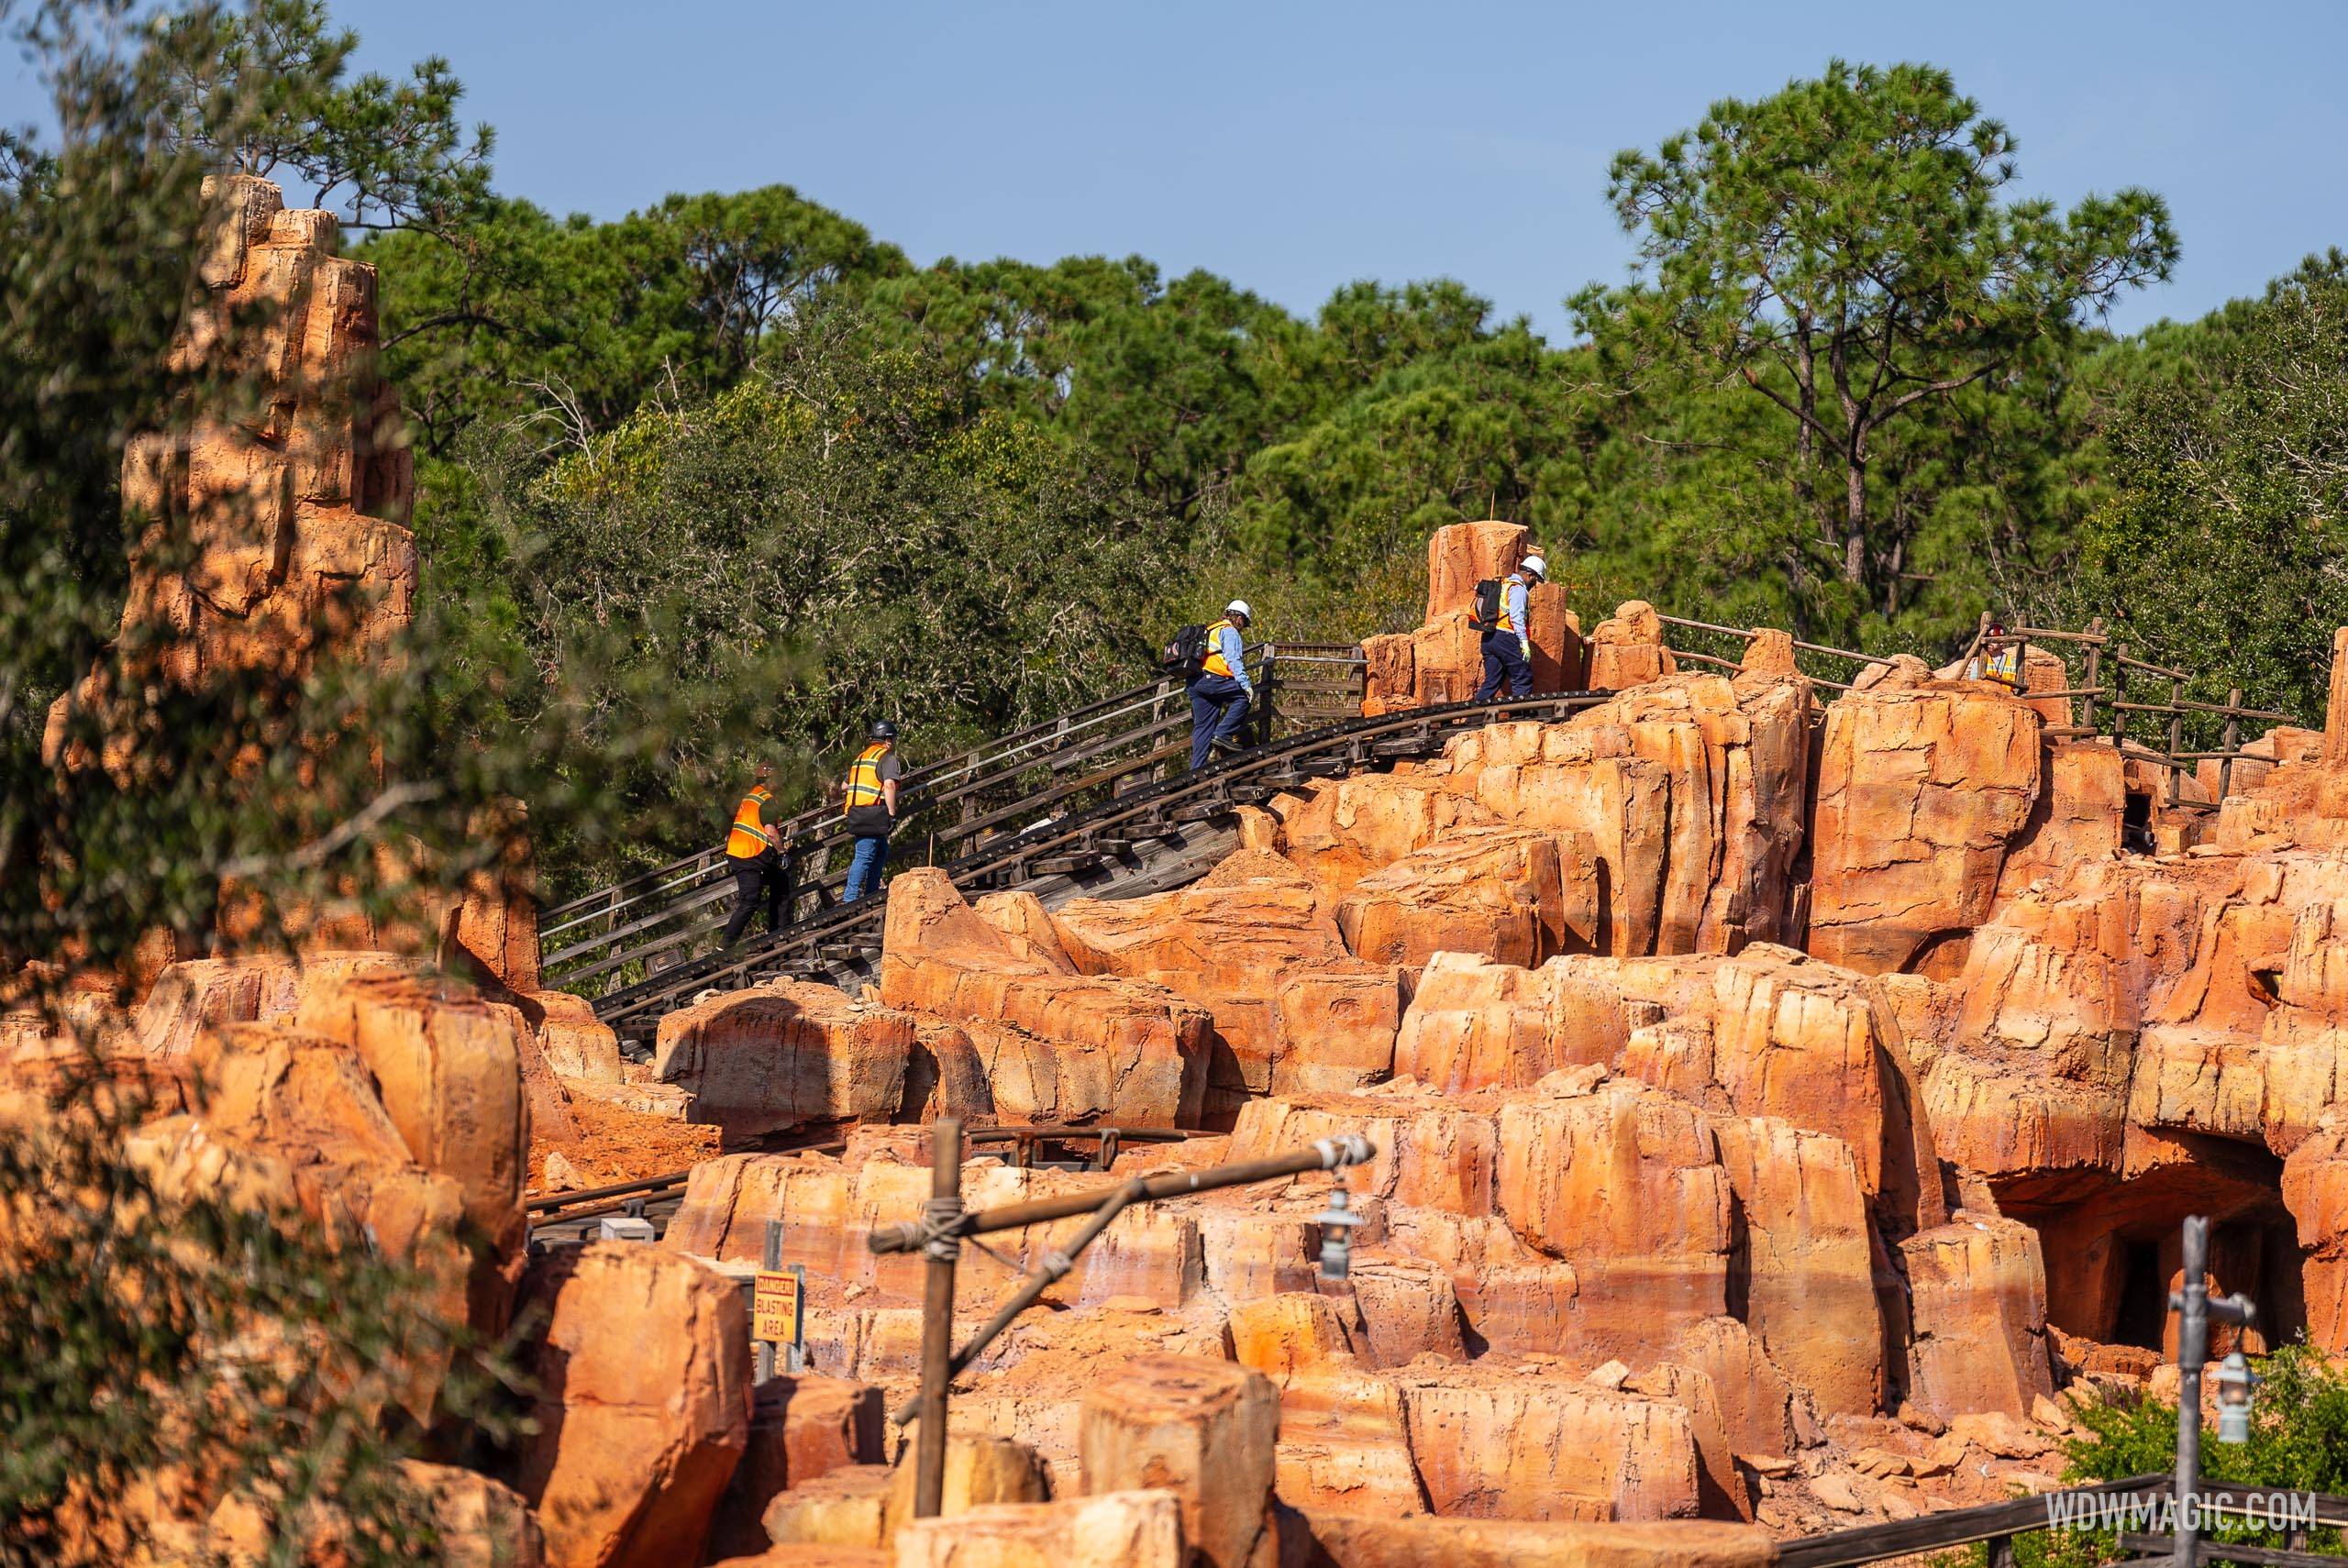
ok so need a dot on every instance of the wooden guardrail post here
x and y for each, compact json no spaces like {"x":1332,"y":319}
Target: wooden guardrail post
{"x":2175,"y":739}
{"x":2000,"y":1549}
{"x":2230,"y":744}
{"x":937,"y":1316}
{"x":2095,"y":670}
{"x":771,"y":1262}
{"x":2118,"y":694}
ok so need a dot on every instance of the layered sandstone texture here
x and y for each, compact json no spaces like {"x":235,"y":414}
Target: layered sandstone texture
{"x":1785,"y":1109}
{"x":1442,"y":661}
{"x":273,"y":547}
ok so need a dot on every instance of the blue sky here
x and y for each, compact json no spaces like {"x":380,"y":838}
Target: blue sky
{"x":1293,"y":147}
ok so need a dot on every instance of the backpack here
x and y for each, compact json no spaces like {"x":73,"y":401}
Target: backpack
{"x":1488,"y":605}
{"x":1187,"y":655}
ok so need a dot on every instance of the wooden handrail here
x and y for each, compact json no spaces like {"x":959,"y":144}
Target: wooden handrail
{"x":1935,"y":1532}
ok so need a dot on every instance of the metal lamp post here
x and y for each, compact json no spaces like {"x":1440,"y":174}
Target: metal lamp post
{"x":2195,"y":1308}
{"x":945,"y":1223}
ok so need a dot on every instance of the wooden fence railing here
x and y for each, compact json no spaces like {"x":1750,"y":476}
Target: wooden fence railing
{"x":1999,"y":1525}
{"x":2109,"y":690}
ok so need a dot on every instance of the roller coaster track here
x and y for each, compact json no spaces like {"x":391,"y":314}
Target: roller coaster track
{"x":596,"y":941}
{"x":1102,"y":831}
{"x":654,"y":920}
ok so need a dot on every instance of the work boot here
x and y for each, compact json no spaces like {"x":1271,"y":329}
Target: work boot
{"x":1227,"y":745}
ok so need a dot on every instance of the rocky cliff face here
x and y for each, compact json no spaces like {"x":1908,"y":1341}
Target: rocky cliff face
{"x":1783,"y":1107}
{"x":276,"y":547}
{"x":1779,"y":1103}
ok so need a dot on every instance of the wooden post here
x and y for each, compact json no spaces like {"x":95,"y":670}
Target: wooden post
{"x":2176,"y":738}
{"x":770,"y":1261}
{"x":2119,"y":691}
{"x":2095,"y":670}
{"x":1267,"y":675}
{"x":2000,"y":1549}
{"x":2230,"y":744}
{"x":937,"y":1319}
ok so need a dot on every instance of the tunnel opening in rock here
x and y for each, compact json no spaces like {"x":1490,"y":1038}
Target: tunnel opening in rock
{"x":2143,"y":1297}
{"x":2137,"y":821}
{"x":2114,"y":1254}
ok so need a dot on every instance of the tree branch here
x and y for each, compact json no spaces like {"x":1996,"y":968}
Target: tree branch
{"x":399,"y":797}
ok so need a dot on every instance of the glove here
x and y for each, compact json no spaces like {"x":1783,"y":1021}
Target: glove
{"x":1524,"y":648}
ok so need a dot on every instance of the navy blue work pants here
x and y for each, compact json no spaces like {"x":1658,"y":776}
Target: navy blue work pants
{"x":1505,"y":661}
{"x":1218,"y":707}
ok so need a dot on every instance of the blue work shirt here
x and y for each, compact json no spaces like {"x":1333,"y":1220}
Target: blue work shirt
{"x":1519,"y":599}
{"x":1235,"y":654}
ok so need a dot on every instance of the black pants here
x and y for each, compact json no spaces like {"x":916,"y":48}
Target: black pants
{"x":768,"y":878}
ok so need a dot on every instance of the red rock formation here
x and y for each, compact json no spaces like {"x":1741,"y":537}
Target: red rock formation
{"x":1979,"y":1295}
{"x":1922,"y":791}
{"x":1253,"y":944}
{"x":643,"y":1404}
{"x":450,"y":1068}
{"x":1626,"y":649}
{"x":1442,"y":661}
{"x":1342,"y":1440}
{"x":785,"y":1055}
{"x":1384,"y":1541}
{"x":1056,"y":1047}
{"x":1683,"y":800}
{"x":1518,"y":894}
{"x":801,"y":1429}
{"x":1496,"y":1442}
{"x":293,"y":509}
{"x":1203,"y":1429}
{"x":2315,"y":1190}
{"x":1116,"y":1530}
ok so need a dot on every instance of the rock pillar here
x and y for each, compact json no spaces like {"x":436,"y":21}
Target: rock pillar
{"x":1205,"y":1429}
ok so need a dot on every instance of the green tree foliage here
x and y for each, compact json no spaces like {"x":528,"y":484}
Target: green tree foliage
{"x":152,"y":1334}
{"x":383,"y":154}
{"x":839,"y":538}
{"x":522,"y":314}
{"x":153,"y":1329}
{"x":1842,"y":249}
{"x":2298,"y":1442}
{"x":2222,"y":547}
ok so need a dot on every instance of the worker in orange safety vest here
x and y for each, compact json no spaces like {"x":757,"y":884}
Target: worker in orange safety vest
{"x":761,"y":863}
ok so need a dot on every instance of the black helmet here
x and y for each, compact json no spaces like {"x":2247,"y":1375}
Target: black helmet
{"x":885,"y":729}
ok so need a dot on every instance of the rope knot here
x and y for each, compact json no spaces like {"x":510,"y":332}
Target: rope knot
{"x":939,"y":1216}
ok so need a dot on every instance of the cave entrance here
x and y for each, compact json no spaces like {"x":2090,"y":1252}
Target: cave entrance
{"x":2143,"y":1316}
{"x":2111,"y":1253}
{"x":2137,"y":821}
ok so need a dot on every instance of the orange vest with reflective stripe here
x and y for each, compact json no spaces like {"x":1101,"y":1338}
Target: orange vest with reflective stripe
{"x":1508,"y":622}
{"x":1216,"y":664}
{"x":746,"y":839}
{"x":864,"y":777}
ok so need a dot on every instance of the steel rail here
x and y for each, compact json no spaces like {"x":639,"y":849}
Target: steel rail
{"x":1154,"y":810}
{"x":989,"y":752}
{"x":615,"y":1196}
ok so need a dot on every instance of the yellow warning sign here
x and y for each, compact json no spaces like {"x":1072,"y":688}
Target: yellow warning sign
{"x":774,"y":1306}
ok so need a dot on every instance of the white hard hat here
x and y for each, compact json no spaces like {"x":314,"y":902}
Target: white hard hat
{"x":1538,"y":566}
{"x":1239,"y":607}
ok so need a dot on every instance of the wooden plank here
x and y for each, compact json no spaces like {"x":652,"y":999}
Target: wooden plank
{"x":2164,"y":1547}
{"x":1933,"y":1532}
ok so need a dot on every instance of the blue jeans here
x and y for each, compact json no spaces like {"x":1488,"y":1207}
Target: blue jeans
{"x":1503,"y":660}
{"x":1218,"y":707}
{"x":864,"y":867}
